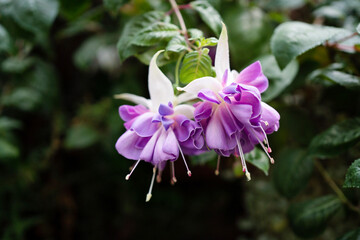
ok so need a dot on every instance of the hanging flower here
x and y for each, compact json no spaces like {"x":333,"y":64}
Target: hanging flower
{"x":232,"y":115}
{"x":159,"y":128}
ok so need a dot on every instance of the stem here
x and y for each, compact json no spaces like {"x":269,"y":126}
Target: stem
{"x":177,"y":70}
{"x":180,"y":18}
{"x":334,"y":187}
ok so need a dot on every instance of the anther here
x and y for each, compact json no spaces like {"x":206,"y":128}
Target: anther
{"x":217,"y":171}
{"x":132,"y":170}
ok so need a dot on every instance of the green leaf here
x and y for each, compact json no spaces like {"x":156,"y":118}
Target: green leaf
{"x":195,"y":33}
{"x":209,"y":15}
{"x":8,"y":150}
{"x":81,"y":136}
{"x":259,"y":159}
{"x":278,"y":80}
{"x":16,"y":64}
{"x":204,"y":42}
{"x":23,"y":98}
{"x":292,"y":171}
{"x":195,"y":65}
{"x":352,"y":235}
{"x":334,"y":76}
{"x":155,"y":33}
{"x":4,"y":40}
{"x":177,"y":44}
{"x":35,"y":15}
{"x":336,"y":139}
{"x":292,"y":39}
{"x":132,"y":28}
{"x":9,"y":123}
{"x":310,"y":218}
{"x":352,"y":178}
{"x":162,"y":60}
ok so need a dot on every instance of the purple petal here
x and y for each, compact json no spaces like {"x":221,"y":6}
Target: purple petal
{"x":208,"y":95}
{"x":242,"y":112}
{"x":253,"y":76}
{"x":126,"y":145}
{"x":165,"y":110}
{"x":231,"y":89}
{"x":148,"y":151}
{"x":269,"y":118}
{"x":170,"y":146}
{"x":144,"y":126}
{"x":225,"y":97}
{"x":202,"y":111}
{"x":128,"y":112}
{"x":225,"y":77}
{"x":166,"y":122}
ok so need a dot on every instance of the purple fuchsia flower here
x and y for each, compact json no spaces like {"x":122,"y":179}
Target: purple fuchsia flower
{"x":231,"y":114}
{"x":159,"y":128}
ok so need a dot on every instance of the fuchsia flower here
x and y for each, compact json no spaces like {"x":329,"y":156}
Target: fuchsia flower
{"x":232,"y":115}
{"x":159,"y":128}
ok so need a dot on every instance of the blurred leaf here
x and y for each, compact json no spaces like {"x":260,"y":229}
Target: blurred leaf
{"x":259,"y":159}
{"x":331,"y":12}
{"x":358,"y":28}
{"x":284,"y":4}
{"x":86,"y":55}
{"x":341,"y":78}
{"x":195,"y":65}
{"x":8,"y":150}
{"x":4,"y":40}
{"x":203,"y":158}
{"x":278,"y":80}
{"x":23,"y":98}
{"x":352,"y":235}
{"x":209,"y":15}
{"x":177,"y":44}
{"x":114,"y":5}
{"x":352,"y":178}
{"x":81,"y":136}
{"x":336,"y":139}
{"x":35,"y":15}
{"x":133,"y":28}
{"x":292,"y":39}
{"x":7,"y":123}
{"x":16,"y":64}
{"x":310,"y":218}
{"x":72,"y":9}
{"x":155,"y":33}
{"x":292,"y":171}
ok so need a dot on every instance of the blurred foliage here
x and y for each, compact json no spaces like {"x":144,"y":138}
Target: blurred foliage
{"x":61,"y":61}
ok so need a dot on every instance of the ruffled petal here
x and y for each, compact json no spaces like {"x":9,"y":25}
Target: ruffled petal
{"x":128,"y":112}
{"x":253,"y":76}
{"x":126,"y":145}
{"x":160,"y":87}
{"x":269,"y":118}
{"x":144,"y":125}
{"x":208,"y":95}
{"x":202,"y":111}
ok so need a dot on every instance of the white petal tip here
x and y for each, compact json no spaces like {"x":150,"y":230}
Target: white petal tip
{"x":248,"y":176}
{"x":127,"y":177}
{"x":148,"y":197}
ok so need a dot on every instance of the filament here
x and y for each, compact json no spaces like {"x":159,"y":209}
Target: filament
{"x":133,"y":168}
{"x":242,"y":157}
{"x":217,"y":171}
{"x":149,"y":195}
{"x":182,"y":155}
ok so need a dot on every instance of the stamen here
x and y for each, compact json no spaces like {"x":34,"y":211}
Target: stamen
{"x":217,"y":171}
{"x":182,"y":155}
{"x":158,"y":177}
{"x":242,"y":157}
{"x":149,"y":195}
{"x":266,"y":140}
{"x":173,"y":178}
{"x":272,"y":161}
{"x":132,"y":169}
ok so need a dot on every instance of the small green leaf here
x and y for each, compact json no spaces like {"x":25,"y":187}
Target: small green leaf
{"x":352,"y":178}
{"x":336,"y":139}
{"x":204,"y":42}
{"x":195,"y":65}
{"x":292,"y":171}
{"x":132,"y":28}
{"x":292,"y":39}
{"x":209,"y":15}
{"x":278,"y":80}
{"x":195,"y":33}
{"x":259,"y":159}
{"x":352,"y":235}
{"x":80,"y":136}
{"x":155,"y":33}
{"x":4,"y":40}
{"x":177,"y":44}
{"x":310,"y":218}
{"x":8,"y":150}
